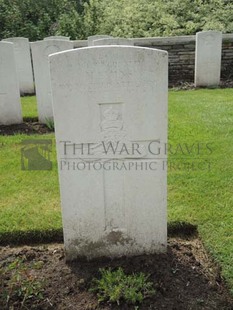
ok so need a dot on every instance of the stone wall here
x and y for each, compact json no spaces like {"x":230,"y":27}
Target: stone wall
{"x":181,"y":51}
{"x":227,"y":57}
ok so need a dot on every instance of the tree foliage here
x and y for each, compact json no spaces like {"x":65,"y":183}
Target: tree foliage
{"x":145,"y":18}
{"x":123,"y":18}
{"x":40,"y":18}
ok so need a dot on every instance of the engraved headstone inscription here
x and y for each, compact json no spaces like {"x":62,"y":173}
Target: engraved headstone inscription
{"x":110,"y":112}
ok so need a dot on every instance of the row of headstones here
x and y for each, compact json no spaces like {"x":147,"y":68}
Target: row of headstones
{"x":16,"y":76}
{"x":113,"y":202}
{"x":17,"y":69}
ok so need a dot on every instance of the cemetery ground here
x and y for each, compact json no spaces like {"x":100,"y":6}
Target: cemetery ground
{"x":200,"y":186}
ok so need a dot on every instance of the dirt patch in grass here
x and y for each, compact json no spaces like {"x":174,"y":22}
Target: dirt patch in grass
{"x":29,"y":127}
{"x":184,"y":278}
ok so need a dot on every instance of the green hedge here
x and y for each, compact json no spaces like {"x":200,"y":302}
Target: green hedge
{"x":126,"y":18}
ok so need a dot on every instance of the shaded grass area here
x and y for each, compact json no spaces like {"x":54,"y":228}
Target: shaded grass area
{"x":200,"y":176}
{"x":27,"y":237}
{"x":30,"y":237}
{"x":29,"y":107}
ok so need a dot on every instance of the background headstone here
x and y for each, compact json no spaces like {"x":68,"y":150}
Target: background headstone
{"x":23,"y":64}
{"x":117,"y":94}
{"x":91,"y":39}
{"x":80,"y":43}
{"x":40,"y":52}
{"x":10,"y":106}
{"x":114,"y":41}
{"x":57,"y":38}
{"x":208,"y":58}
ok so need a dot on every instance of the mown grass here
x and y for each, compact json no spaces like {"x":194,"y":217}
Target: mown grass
{"x":29,"y":107}
{"x":204,"y":197}
{"x":28,"y":199}
{"x":200,"y":195}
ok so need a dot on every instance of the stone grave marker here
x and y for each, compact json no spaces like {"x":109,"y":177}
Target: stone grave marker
{"x":114,"y":41}
{"x":208,"y":58}
{"x":40,"y":52}
{"x":10,"y":106}
{"x":110,"y":112}
{"x":57,"y":38}
{"x":23,"y":64}
{"x":91,"y":39}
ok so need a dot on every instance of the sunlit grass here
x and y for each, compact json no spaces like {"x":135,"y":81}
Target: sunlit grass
{"x":202,"y":194}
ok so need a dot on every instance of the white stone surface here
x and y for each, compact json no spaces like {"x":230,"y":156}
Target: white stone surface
{"x":10,"y":106}
{"x":23,"y":64}
{"x":40,"y":52}
{"x":80,"y":43}
{"x":117,"y":94}
{"x":208,"y":58}
{"x":113,"y":41}
{"x":57,"y":38}
{"x":91,"y":39}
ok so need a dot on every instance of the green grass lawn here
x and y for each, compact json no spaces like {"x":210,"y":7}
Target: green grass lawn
{"x":29,"y":107}
{"x":201,"y":193}
{"x":204,"y":197}
{"x":28,"y":199}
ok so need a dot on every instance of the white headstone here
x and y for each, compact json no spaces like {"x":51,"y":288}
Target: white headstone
{"x":208,"y":58}
{"x":57,"y":38}
{"x":23,"y":64}
{"x":40,"y":52}
{"x":112,"y":204}
{"x":10,"y":106}
{"x":91,"y":39}
{"x":80,"y":43}
{"x":114,"y":41}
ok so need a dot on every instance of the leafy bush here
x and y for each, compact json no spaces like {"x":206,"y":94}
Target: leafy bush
{"x":116,"y":286}
{"x":145,"y":18}
{"x":125,"y":18}
{"x":38,"y":19}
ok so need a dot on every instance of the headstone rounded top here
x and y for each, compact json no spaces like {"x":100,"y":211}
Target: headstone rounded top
{"x":114,"y":41}
{"x":53,"y":43}
{"x":214,"y":32}
{"x":49,"y":41}
{"x":91,"y":39}
{"x":16,"y":39}
{"x":7,"y":42}
{"x":107,"y":48}
{"x":57,"y":38}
